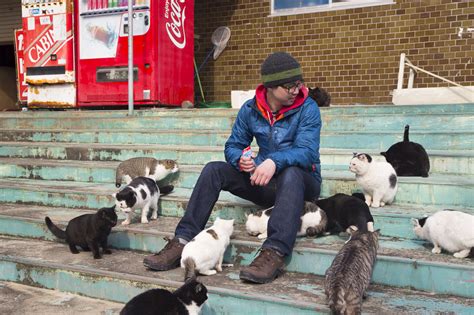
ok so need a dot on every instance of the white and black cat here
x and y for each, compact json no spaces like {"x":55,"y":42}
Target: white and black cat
{"x":378,"y":180}
{"x":187,"y":300}
{"x":408,"y":158}
{"x":144,"y":166}
{"x":142,"y":193}
{"x":349,"y":275}
{"x":88,"y":231}
{"x":313,"y":222}
{"x":450,"y":230}
{"x":321,"y":96}
{"x":344,"y":211}
{"x":205,"y":252}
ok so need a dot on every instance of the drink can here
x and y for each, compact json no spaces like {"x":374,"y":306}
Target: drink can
{"x":247,"y":152}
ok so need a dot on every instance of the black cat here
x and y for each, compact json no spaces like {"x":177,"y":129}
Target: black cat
{"x":187,"y":300}
{"x":88,"y":231}
{"x":321,"y":96}
{"x":408,"y":158}
{"x":343,"y":211}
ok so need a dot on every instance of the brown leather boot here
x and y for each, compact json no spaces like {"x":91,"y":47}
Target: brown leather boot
{"x":268,"y":265}
{"x":168,"y":258}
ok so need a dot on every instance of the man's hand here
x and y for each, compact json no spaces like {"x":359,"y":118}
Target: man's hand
{"x":246,"y":164}
{"x":263,"y":173}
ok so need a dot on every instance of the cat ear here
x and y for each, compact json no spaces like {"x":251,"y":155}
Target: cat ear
{"x":383,"y":153}
{"x":246,"y":215}
{"x":198,"y":288}
{"x":415,"y":222}
{"x":354,"y":154}
{"x":114,"y":195}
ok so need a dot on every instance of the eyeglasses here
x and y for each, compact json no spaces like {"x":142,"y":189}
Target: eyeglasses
{"x":292,"y":87}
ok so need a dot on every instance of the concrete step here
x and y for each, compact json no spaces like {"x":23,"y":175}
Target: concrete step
{"x":438,"y":189}
{"x":16,"y":299}
{"x":223,"y":121}
{"x":120,"y":276}
{"x":361,"y":139}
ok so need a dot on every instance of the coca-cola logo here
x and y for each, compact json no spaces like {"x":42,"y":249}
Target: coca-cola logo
{"x":175,"y":28}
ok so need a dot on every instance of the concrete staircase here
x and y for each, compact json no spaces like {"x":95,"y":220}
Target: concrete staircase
{"x":62,"y":164}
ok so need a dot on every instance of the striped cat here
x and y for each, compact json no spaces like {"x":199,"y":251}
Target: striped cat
{"x":349,"y":274}
{"x":144,"y":166}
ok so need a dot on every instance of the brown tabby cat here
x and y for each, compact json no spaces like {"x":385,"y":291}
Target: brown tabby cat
{"x":349,"y":274}
{"x":144,"y":166}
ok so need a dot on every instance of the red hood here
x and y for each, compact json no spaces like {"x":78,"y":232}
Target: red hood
{"x":263,"y":106}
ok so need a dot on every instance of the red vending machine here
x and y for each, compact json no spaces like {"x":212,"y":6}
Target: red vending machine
{"x":49,"y":52}
{"x":163,"y":52}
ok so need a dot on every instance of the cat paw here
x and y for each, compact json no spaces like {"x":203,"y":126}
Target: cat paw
{"x":382,"y":203}
{"x":375,"y":204}
{"x":107,"y":251}
{"x":436,"y":250}
{"x":144,"y":220}
{"x":126,"y":222}
{"x":262,"y":236}
{"x":219,"y":268}
{"x":97,"y":257}
{"x":462,"y":254}
{"x":154,"y":217}
{"x":368,"y":203}
{"x":208,"y":272}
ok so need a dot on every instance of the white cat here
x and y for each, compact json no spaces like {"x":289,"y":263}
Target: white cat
{"x":452,"y":231}
{"x":142,"y":193}
{"x":377,"y":179}
{"x":313,"y":221}
{"x":205,"y":252}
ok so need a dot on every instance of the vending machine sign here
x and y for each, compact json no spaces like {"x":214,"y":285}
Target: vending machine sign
{"x":22,"y":87}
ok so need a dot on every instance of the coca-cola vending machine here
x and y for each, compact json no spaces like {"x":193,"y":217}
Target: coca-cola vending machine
{"x":48,"y":52}
{"x":163,"y":34}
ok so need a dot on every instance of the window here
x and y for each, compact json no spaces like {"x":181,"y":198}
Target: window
{"x":288,"y":7}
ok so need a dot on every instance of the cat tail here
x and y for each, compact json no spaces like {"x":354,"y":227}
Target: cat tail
{"x":405,"y":134}
{"x":54,"y":229}
{"x":189,"y":269}
{"x":337,"y":302}
{"x":118,"y":177}
{"x":166,"y":189}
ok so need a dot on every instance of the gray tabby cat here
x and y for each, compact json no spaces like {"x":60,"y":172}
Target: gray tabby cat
{"x":349,"y":274}
{"x":144,"y":166}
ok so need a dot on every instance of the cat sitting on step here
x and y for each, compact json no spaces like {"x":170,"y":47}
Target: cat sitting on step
{"x":349,"y":275}
{"x":346,"y":212}
{"x":144,"y":166}
{"x":88,"y":231}
{"x":313,"y":222}
{"x":378,"y":180}
{"x":205,"y":252}
{"x":142,"y":193}
{"x":450,"y":230}
{"x":408,"y":158}
{"x":187,"y":300}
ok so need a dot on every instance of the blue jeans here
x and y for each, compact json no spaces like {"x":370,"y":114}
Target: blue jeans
{"x":287,"y":191}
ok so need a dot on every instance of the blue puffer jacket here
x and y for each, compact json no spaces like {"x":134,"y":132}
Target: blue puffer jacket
{"x":291,"y":141}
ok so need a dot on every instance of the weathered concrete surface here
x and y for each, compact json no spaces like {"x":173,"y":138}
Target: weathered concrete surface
{"x":19,"y":299}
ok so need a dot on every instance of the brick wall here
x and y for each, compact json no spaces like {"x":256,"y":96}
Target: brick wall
{"x":353,"y":53}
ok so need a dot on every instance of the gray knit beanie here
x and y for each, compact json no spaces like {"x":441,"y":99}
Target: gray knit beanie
{"x":280,"y":68}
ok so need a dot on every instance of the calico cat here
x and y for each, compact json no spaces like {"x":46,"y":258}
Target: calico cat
{"x":321,"y":96}
{"x":88,"y":231}
{"x":408,"y":158}
{"x":142,"y":193}
{"x":313,"y":222}
{"x":144,"y":166}
{"x":187,"y":300}
{"x":450,"y":230}
{"x":344,"y":211}
{"x":349,"y":274}
{"x":205,"y":252}
{"x":377,"y":179}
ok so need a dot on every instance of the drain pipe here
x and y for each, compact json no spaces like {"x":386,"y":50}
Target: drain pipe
{"x":130,"y":57}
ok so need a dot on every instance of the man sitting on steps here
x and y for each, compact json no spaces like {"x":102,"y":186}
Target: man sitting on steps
{"x":286,"y":124}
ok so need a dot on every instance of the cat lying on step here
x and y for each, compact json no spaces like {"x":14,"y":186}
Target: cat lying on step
{"x":344,"y":211}
{"x":187,"y":300}
{"x":408,"y":158}
{"x":88,"y":231}
{"x":205,"y":252}
{"x":144,"y":166}
{"x":349,"y":275}
{"x":450,"y":230}
{"x":378,"y":180}
{"x":142,"y":193}
{"x":313,"y":222}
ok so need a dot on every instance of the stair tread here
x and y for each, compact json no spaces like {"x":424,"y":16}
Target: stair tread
{"x":303,"y":290}
{"x":415,"y":250}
